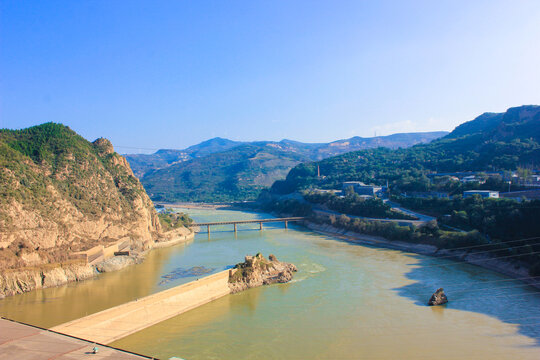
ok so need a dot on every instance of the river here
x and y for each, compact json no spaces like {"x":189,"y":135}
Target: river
{"x":347,"y":301}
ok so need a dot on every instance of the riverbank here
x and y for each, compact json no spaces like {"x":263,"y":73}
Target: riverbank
{"x":483,"y":260}
{"x":18,"y":281}
{"x":208,"y":206}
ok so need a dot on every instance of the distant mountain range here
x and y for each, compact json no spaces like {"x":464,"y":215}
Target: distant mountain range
{"x":224,"y":170}
{"x":491,"y":142}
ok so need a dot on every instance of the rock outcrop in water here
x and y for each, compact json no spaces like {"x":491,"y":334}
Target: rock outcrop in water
{"x":438,"y":298}
{"x":256,"y":271}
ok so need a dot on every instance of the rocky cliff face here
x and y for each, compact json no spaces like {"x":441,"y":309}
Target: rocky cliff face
{"x":256,"y":271}
{"x":60,"y":194}
{"x":19,"y":281}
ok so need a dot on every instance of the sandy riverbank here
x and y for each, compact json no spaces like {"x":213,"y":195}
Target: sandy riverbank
{"x":483,"y":260}
{"x":204,"y":206}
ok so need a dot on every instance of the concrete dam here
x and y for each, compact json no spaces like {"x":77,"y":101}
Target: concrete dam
{"x":120,"y":321}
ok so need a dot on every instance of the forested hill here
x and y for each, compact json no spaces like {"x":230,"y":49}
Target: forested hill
{"x":491,"y":142}
{"x":225,"y":170}
{"x":236,"y":174}
{"x":60,"y":193}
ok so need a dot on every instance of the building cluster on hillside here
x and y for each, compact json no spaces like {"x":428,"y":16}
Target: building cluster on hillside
{"x":427,"y":194}
{"x":369,"y":190}
{"x":364,"y":190}
{"x":480,"y":177}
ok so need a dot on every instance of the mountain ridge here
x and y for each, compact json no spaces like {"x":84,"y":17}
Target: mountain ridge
{"x":493,"y":142}
{"x":244,"y":168}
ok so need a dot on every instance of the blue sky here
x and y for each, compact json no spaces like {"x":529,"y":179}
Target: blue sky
{"x":169,"y":74}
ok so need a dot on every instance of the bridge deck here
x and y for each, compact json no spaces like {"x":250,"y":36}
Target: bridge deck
{"x":257,"y":221}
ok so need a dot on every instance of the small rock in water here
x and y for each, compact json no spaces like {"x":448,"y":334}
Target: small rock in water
{"x":438,"y":298}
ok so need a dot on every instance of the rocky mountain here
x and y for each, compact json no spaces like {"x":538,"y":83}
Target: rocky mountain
{"x":394,"y":141}
{"x":212,"y":146}
{"x":491,"y":142}
{"x":60,"y":194}
{"x":225,"y":170}
{"x":516,"y":123}
{"x":144,"y":163}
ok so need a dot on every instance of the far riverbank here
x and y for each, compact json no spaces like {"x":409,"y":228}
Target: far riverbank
{"x":482,"y":260}
{"x":240,"y":206}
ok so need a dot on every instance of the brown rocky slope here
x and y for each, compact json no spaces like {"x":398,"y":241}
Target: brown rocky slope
{"x":61,"y":194}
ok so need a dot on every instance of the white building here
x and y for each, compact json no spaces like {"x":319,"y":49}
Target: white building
{"x":362,"y":189}
{"x":473,"y":178}
{"x":483,"y":193}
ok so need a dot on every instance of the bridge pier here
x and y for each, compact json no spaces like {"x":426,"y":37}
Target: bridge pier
{"x":208,"y":228}
{"x":234,"y":227}
{"x":286,"y":224}
{"x":260,"y":226}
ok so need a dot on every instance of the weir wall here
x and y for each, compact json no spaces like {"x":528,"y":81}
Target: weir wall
{"x":115,"y":323}
{"x":174,"y":241}
{"x":99,"y":253}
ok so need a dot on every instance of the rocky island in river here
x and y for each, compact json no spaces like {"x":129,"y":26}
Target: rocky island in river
{"x":257,"y":270}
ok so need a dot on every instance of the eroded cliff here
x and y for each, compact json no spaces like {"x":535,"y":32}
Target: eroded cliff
{"x":61,"y":194}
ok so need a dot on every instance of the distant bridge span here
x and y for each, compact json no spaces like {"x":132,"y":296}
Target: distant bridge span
{"x":258,"y":221}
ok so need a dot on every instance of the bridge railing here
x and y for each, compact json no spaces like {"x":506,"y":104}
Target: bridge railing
{"x":255,"y":221}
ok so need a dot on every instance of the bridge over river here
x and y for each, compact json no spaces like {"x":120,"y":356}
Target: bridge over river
{"x":285,"y":220}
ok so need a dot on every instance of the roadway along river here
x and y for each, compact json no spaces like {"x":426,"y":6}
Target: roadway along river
{"x":346,"y":302}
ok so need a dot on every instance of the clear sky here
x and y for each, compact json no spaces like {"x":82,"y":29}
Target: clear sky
{"x":169,"y":74}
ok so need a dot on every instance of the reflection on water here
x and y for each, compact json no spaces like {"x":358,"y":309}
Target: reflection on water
{"x":179,"y":273}
{"x":346,"y":302}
